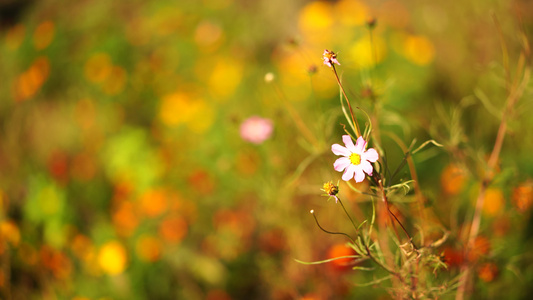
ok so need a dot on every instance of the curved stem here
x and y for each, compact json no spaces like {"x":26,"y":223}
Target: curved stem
{"x":332,"y":232}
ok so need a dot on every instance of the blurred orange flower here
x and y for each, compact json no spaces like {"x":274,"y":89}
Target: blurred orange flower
{"x":115,"y":82}
{"x":523,"y":196}
{"x":125,"y":218}
{"x":58,"y":166}
{"x":340,"y":250}
{"x":9,"y":232}
{"x":453,"y":179}
{"x":480,"y":248}
{"x":208,"y":36}
{"x":81,"y":246}
{"x":272,"y":241}
{"x":27,"y":254}
{"x":83,"y":166}
{"x":148,"y":248}
{"x":43,"y":35}
{"x":217,"y":295}
{"x":202,"y":182}
{"x":98,"y":67}
{"x":29,"y":82}
{"x":488,"y":272}
{"x":153,"y":202}
{"x":173,"y":229}
{"x":452,"y":257}
{"x":56,"y":261}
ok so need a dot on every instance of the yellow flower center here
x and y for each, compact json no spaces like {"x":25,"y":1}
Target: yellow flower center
{"x":330,"y":188}
{"x":355,"y":159}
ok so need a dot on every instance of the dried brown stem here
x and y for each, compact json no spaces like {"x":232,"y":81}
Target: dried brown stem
{"x":515,"y":91}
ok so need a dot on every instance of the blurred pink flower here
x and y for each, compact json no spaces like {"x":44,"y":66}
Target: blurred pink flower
{"x":356,"y":161}
{"x":256,"y":129}
{"x":330,"y":58}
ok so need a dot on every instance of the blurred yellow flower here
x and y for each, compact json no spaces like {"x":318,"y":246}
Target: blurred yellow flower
{"x":418,"y":49}
{"x":175,"y":109}
{"x":225,"y":77}
{"x":50,"y":200}
{"x":180,"y":108}
{"x":325,"y":88}
{"x":15,"y":36}
{"x":112,"y":258}
{"x":316,"y":21}
{"x":203,"y":117}
{"x":494,"y":201}
{"x":294,"y":75}
{"x":351,"y":12}
{"x":43,"y":35}
{"x":366,"y":54}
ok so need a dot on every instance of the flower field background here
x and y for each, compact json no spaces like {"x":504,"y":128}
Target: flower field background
{"x":174,"y":150}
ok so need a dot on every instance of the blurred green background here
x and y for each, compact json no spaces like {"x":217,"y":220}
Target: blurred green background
{"x":124,"y":175}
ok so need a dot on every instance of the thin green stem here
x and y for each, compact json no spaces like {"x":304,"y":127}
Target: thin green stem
{"x":364,"y":243}
{"x":384,"y":198}
{"x":349,"y":217}
{"x":354,"y":120}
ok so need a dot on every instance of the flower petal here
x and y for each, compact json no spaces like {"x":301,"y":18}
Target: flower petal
{"x":360,"y":145}
{"x":340,"y":150}
{"x":341,"y":164}
{"x":359,"y":174}
{"x":371,"y":155}
{"x":349,"y":172}
{"x":348,"y":142}
{"x":367,"y":167}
